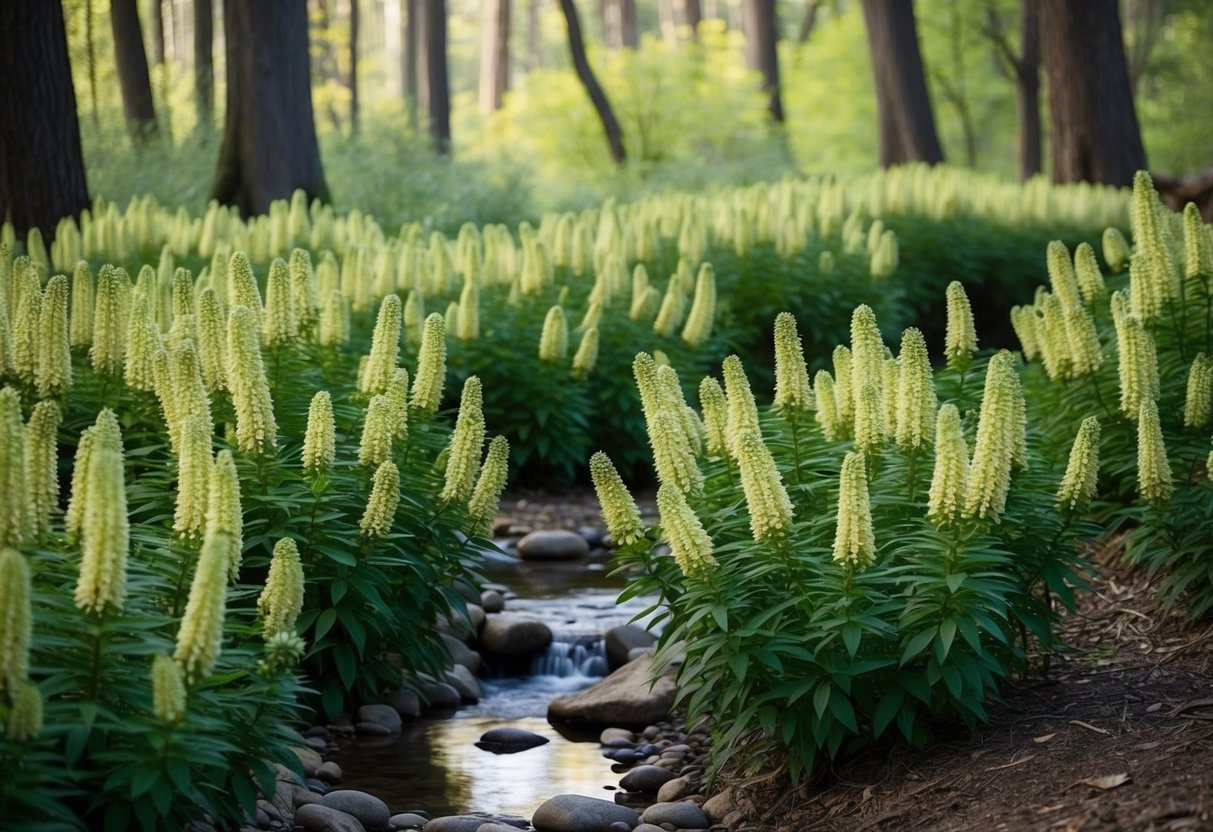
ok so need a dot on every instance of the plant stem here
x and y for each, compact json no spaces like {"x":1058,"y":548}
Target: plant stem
{"x":94,"y":681}
{"x":795,"y":420}
{"x":1098,"y":395}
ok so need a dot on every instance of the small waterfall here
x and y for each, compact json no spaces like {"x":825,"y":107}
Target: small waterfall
{"x":571,"y":656}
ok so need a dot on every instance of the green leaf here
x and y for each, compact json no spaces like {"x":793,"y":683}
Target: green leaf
{"x":840,"y":706}
{"x":947,"y":632}
{"x":721,"y":614}
{"x":887,"y":709}
{"x":916,"y":645}
{"x":851,"y":634}
{"x":325,"y":622}
{"x":821,"y":698}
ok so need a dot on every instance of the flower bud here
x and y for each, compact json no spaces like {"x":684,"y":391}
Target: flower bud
{"x":672,"y":311}
{"x":25,"y":716}
{"x":430,"y":376}
{"x":1116,"y":251}
{"x":54,"y":371}
{"x":467,"y":441}
{"x":1062,"y":279}
{"x":854,"y":541}
{"x":554,"y":340}
{"x":467,"y":325}
{"x":1082,"y":470}
{"x":414,"y":317}
{"x":960,"y":339}
{"x":792,"y":392}
{"x":224,"y":514}
{"x":828,"y":417}
{"x":281,"y":326}
{"x":1200,"y":392}
{"x":587,"y":354}
{"x":256,"y":428}
{"x":1153,"y":469}
{"x":950,"y":479}
{"x":715,"y":417}
{"x":168,"y":689}
{"x":766,"y":498}
{"x":385,"y":348}
{"x":335,"y":320}
{"x":703,"y":308}
{"x":619,"y":509}
{"x":914,"y":419}
{"x":244,"y":291}
{"x":690,"y":544}
{"x":380,"y":511}
{"x":281,"y":600}
{"x":104,"y":535}
{"x":16,"y":620}
{"x":200,"y":636}
{"x":742,"y":410}
{"x":482,"y":505}
{"x":42,"y":465}
{"x":1086,"y":271}
{"x":15,"y":522}
{"x":1025,"y":322}
{"x":320,"y":440}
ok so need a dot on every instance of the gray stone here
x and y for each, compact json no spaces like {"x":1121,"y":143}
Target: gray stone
{"x":372,"y":729}
{"x":462,"y":680}
{"x":719,"y":806}
{"x":329,"y":772}
{"x":617,"y":738}
{"x":594,"y":535}
{"x":370,"y":810}
{"x":310,"y":759}
{"x":682,"y":815}
{"x":637,"y":652}
{"x":676,"y":789}
{"x":384,"y":715}
{"x":574,"y":813}
{"x":406,"y":702}
{"x":646,"y":779}
{"x":440,"y":696}
{"x":622,"y":640}
{"x":496,"y":827}
{"x":510,"y":740}
{"x":648,"y":827}
{"x":316,"y":817}
{"x":514,"y":636}
{"x":460,"y":653}
{"x":406,"y":820}
{"x":318,"y":743}
{"x":456,"y":823}
{"x":626,"y":697}
{"x":553,"y":544}
{"x":491,"y":601}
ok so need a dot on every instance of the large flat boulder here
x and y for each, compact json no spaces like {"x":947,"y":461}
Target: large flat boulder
{"x":574,"y":813}
{"x":625,"y":698}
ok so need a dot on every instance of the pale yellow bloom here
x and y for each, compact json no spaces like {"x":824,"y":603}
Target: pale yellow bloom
{"x":303,"y":289}
{"x":1116,"y":251}
{"x":844,"y":385}
{"x":483,"y":504}
{"x":699,"y":322}
{"x":430,"y":376}
{"x":224,"y":514}
{"x":385,"y":348}
{"x":914,"y":424}
{"x":25,"y":716}
{"x":854,"y":540}
{"x":689,"y":542}
{"x":256,"y":428}
{"x":281,"y":325}
{"x":385,"y":498}
{"x":26,"y":343}
{"x":467,"y":441}
{"x":828,"y":417}
{"x":194,"y":464}
{"x":619,"y":509}
{"x":397,"y":395}
{"x":103,"y":432}
{"x":335,"y":320}
{"x":1082,"y":469}
{"x":376,"y":443}
{"x":766,"y":498}
{"x":81,"y":323}
{"x":1153,"y":469}
{"x":742,"y":410}
{"x":54,"y":371}
{"x":1200,"y":392}
{"x":960,"y":341}
{"x":168,"y":689}
{"x":554,"y":340}
{"x":281,"y":599}
{"x":243,"y":287}
{"x":1062,"y":279}
{"x":1025,"y":322}
{"x":792,"y":391}
{"x":869,"y":418}
{"x":1086,"y":271}
{"x":104,"y":535}
{"x":587,"y":354}
{"x":212,"y":351}
{"x":714,"y":405}
{"x":1198,"y":253}
{"x":867,"y":353}
{"x":143,"y":343}
{"x":15,"y":522}
{"x":42,"y":465}
{"x":1084,"y":349}
{"x":1138,"y":367}
{"x":467,"y":325}
{"x":320,"y":440}
{"x":994,"y":448}
{"x":16,"y":619}
{"x":200,"y":637}
{"x":950,"y":479}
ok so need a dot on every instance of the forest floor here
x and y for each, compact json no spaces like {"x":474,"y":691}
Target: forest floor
{"x":1118,"y":735}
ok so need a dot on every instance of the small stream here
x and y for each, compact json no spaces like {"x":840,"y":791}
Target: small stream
{"x":434,"y":764}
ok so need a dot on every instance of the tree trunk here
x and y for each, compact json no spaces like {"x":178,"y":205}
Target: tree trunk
{"x":809,"y":22}
{"x":1027,"y":90}
{"x":494,"y":54}
{"x":41,"y":163}
{"x":157,"y":32}
{"x":690,"y":14}
{"x":410,"y":57}
{"x":269,"y":141}
{"x":204,"y":61}
{"x":437,"y":88}
{"x":761,"y":35}
{"x":91,"y":50}
{"x":614,"y":134}
{"x":629,"y":28}
{"x":534,"y":37}
{"x":907,"y":124}
{"x":132,"y":70}
{"x":1095,"y":134}
{"x":353,"y":66}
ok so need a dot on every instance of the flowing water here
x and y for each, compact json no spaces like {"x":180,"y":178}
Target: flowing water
{"x":434,"y":764}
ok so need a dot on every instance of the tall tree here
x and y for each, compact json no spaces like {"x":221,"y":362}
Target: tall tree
{"x":494,"y":53}
{"x":907,"y":123}
{"x":410,"y":57}
{"x":534,"y":37}
{"x":41,"y":163}
{"x":1095,"y":134}
{"x":91,"y":55}
{"x":436,"y":82}
{"x":761,"y":42}
{"x":610,"y":125}
{"x":809,"y":22}
{"x":204,"y":61}
{"x":690,"y":14}
{"x":1024,"y":67}
{"x":353,"y":66}
{"x":620,"y":25}
{"x":132,"y":70}
{"x":269,"y":141}
{"x":158,"y":33}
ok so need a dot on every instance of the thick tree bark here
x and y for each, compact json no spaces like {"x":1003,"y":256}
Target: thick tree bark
{"x":132,"y":70}
{"x":629,"y":28}
{"x":690,"y":14}
{"x":410,"y":57}
{"x":534,"y":37}
{"x":204,"y":60}
{"x":494,"y":54}
{"x":1027,"y":95}
{"x":91,"y":52}
{"x":269,"y":141}
{"x":610,"y":125}
{"x":157,"y":32}
{"x":41,"y":163}
{"x":907,"y":123}
{"x":1095,"y":134}
{"x":353,"y":66}
{"x":436,"y":82}
{"x":761,"y":37}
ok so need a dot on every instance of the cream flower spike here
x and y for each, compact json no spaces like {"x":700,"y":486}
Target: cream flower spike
{"x":766,"y":498}
{"x":281,"y":599}
{"x":689,"y":542}
{"x":466,"y":444}
{"x":1082,"y":469}
{"x":430,"y":376}
{"x":950,"y":479}
{"x":854,"y":540}
{"x":792,"y":391}
{"x":486,"y":495}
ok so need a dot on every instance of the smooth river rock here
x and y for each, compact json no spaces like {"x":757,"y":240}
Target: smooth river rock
{"x":574,"y":813}
{"x":406,"y":702}
{"x":316,"y":817}
{"x":439,"y":696}
{"x":456,"y":823}
{"x":626,"y":697}
{"x":514,"y":635}
{"x":553,"y":544}
{"x":371,"y":812}
{"x":384,"y":715}
{"x":682,"y":815}
{"x":646,"y":779}
{"x":460,"y":653}
{"x":464,"y":681}
{"x":622,"y":640}
{"x":510,"y":740}
{"x":491,"y":601}
{"x":407,"y":820}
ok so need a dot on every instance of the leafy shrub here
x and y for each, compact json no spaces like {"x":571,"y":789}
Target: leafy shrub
{"x":1132,"y":349}
{"x":839,"y":568}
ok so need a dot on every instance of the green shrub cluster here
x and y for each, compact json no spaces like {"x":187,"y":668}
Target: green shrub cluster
{"x":868,"y":555}
{"x":255,"y":528}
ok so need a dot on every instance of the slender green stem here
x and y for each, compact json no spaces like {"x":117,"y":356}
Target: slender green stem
{"x":94,"y":680}
{"x":1098,"y":395}
{"x":795,"y":420}
{"x":1178,"y":328}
